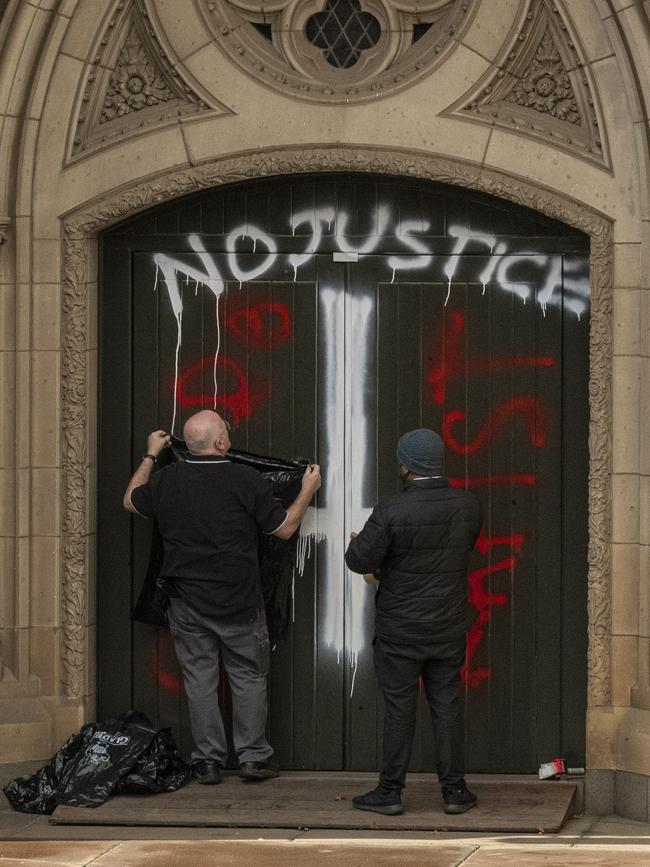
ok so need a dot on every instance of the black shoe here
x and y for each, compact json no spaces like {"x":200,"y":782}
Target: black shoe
{"x":379,"y":801}
{"x":458,"y":799}
{"x":206,"y":772}
{"x":251,"y":771}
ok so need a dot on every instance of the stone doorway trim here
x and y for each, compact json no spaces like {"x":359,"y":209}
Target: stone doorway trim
{"x":80,"y":229}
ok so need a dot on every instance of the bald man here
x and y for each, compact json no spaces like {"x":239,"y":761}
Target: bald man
{"x":209,"y":512}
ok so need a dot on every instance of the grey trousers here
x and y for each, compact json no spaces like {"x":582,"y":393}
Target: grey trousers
{"x":244,"y":647}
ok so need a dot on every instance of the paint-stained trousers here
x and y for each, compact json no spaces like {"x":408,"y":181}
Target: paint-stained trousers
{"x":399,"y":668}
{"x":244,"y":647}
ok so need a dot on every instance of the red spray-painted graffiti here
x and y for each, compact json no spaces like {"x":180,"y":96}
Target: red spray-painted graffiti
{"x":262,"y":326}
{"x":490,"y":481}
{"x":162,"y":663}
{"x":241,"y":401}
{"x":531,"y":408}
{"x":452,"y":363}
{"x":484,"y":601}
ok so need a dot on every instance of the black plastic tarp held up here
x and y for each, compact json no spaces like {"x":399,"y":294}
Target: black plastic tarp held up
{"x":277,"y":556}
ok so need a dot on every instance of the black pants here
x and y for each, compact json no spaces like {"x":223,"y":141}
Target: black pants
{"x":398,"y":668}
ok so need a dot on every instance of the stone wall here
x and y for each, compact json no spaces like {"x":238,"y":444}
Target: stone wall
{"x":109,"y":106}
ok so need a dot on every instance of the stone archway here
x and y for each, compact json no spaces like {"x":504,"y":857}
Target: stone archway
{"x":80,"y":230}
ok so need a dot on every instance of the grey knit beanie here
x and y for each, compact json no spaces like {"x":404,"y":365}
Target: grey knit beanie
{"x":421,"y":452}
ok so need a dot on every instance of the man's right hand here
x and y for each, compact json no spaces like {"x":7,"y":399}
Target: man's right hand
{"x":157,"y":441}
{"x":311,"y":480}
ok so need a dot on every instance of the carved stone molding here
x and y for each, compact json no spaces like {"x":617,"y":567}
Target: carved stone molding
{"x":542,"y":87}
{"x":132,"y":83}
{"x":5,"y":222}
{"x":80,"y":230}
{"x":284,"y":44}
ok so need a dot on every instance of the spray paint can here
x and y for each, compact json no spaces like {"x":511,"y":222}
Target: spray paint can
{"x":551,"y":769}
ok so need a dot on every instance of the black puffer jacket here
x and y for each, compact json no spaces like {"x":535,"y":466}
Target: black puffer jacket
{"x":419,"y":543}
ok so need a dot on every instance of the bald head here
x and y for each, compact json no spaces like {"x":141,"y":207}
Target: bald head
{"x":206,"y":433}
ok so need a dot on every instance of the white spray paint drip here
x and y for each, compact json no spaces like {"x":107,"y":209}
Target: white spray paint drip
{"x":411,"y":263}
{"x":309,"y":533}
{"x":359,"y":340}
{"x":576,"y":289}
{"x":382,"y":216}
{"x":155,"y":284}
{"x":170,"y":269}
{"x":464,"y":236}
{"x":216,"y":352}
{"x":354,"y":664}
{"x":256,"y":235}
{"x":176,"y":363}
{"x":331,"y":518}
{"x":333,"y":523}
{"x":217,"y":286}
{"x":493,"y":262}
{"x":315,"y":217}
{"x":523,"y":290}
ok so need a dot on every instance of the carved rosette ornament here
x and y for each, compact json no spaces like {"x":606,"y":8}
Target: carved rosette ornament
{"x":541,"y":88}
{"x":135,"y":83}
{"x":80,"y":231}
{"x":132,"y":83}
{"x":336,"y":51}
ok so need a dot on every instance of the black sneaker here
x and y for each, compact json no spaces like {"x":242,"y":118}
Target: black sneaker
{"x":379,"y":801}
{"x":255,"y":771}
{"x":458,"y":799}
{"x":206,"y":772}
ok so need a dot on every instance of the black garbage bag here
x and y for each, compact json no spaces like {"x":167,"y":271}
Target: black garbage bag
{"x":108,"y":751}
{"x":277,"y":556}
{"x":36,"y":793}
{"x":92,"y":764}
{"x":159,"y":769}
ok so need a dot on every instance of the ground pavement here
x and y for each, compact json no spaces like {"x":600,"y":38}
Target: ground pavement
{"x":585,"y":840}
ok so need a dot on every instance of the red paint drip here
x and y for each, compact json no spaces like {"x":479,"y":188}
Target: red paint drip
{"x":262,"y":326}
{"x":529,"y":407}
{"x":452,"y":362}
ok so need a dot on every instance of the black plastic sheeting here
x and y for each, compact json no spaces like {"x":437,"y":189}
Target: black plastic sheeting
{"x":277,"y":556}
{"x":125,"y":754}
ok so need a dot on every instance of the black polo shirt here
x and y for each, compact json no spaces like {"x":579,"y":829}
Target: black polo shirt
{"x":209,"y":512}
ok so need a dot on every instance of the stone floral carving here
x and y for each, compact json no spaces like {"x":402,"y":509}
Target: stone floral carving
{"x":135,"y":84}
{"x":74,"y":449}
{"x":132,"y":84}
{"x":546,"y":86}
{"x":286,"y":45}
{"x":541,"y":88}
{"x":80,"y":230}
{"x":5,"y":222}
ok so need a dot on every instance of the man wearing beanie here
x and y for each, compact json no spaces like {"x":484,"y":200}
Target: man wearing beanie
{"x":418,"y":545}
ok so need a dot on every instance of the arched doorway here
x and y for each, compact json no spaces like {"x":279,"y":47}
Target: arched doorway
{"x":325,"y":315}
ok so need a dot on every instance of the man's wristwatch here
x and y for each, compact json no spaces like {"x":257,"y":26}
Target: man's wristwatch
{"x":150,"y":456}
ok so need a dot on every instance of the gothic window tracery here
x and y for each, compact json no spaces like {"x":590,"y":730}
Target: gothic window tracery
{"x":336,"y":50}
